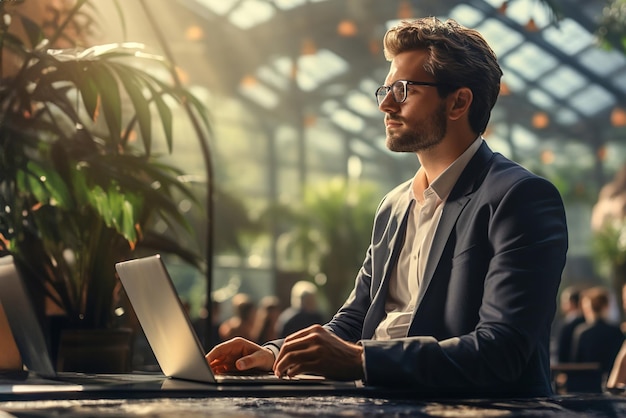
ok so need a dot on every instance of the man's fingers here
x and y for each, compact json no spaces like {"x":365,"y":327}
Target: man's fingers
{"x":225,"y":357}
{"x":318,"y":351}
{"x":304,"y":338}
{"x":261,"y":359}
{"x":300,"y":368}
{"x":313,"y":329}
{"x":226,"y":349}
{"x":302,"y":341}
{"x":295,"y":362}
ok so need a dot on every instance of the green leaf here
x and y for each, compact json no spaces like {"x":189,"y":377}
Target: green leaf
{"x":98,"y":199}
{"x":89,"y":92}
{"x":46,"y":185}
{"x":80,"y":187}
{"x":133,"y":85}
{"x":127,"y":226}
{"x":165,"y":116}
{"x":200,"y":109}
{"x":55,"y":82}
{"x":32,"y":185}
{"x":111,"y":102}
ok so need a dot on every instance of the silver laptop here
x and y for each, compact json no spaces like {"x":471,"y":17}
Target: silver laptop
{"x":23,"y":321}
{"x":31,"y":341}
{"x":170,"y":333}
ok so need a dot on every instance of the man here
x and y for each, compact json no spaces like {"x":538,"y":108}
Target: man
{"x":241,"y":323}
{"x":572,"y":317}
{"x":302,"y":311}
{"x":596,"y":340}
{"x":458,"y":288}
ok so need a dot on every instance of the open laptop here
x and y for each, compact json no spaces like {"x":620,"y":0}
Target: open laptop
{"x":25,"y":326}
{"x":170,"y":333}
{"x":30,"y":338}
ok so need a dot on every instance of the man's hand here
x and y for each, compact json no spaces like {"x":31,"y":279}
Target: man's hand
{"x":317,"y":351}
{"x":239,"y":354}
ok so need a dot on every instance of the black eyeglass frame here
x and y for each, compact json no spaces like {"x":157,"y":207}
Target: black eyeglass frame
{"x":386,"y":89}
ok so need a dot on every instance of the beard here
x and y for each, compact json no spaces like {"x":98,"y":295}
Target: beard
{"x":428,"y":133}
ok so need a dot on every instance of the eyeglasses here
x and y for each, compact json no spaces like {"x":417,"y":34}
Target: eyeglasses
{"x":399,"y":91}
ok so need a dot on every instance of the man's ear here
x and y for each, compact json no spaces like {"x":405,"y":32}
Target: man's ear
{"x":459,"y":102}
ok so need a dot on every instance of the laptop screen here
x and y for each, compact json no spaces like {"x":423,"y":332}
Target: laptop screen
{"x":25,"y":326}
{"x":163,"y":319}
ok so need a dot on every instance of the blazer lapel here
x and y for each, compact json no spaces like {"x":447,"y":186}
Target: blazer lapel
{"x":377,"y":308}
{"x":458,"y":199}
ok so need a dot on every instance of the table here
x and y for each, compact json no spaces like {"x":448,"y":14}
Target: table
{"x":156,"y":397}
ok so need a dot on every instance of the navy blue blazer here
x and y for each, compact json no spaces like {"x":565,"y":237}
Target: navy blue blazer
{"x":485,"y":308}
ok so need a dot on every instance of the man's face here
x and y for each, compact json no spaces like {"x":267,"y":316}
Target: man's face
{"x":420,"y":122}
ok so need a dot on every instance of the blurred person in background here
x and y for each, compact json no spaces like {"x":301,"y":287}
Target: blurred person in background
{"x":267,"y":317}
{"x":241,"y":323}
{"x":572,"y":317}
{"x":596,"y":340}
{"x":303,"y":311}
{"x":200,"y":325}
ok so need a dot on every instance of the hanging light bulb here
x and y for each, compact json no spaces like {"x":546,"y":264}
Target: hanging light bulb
{"x":618,"y":117}
{"x":531,"y":25}
{"x":347,"y":28}
{"x":248,"y":81}
{"x":540,"y":120}
{"x":194,"y":33}
{"x":547,"y":157}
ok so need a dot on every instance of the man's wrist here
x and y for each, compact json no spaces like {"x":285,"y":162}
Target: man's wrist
{"x":272,"y":349}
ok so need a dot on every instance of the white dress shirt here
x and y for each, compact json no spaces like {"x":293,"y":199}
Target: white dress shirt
{"x":422,"y":223}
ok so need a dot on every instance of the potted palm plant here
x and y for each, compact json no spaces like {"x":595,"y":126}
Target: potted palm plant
{"x":80,"y":185}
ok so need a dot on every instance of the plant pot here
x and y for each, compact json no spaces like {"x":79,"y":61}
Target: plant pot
{"x":95,"y":350}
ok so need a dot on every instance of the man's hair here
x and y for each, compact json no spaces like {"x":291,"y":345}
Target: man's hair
{"x":243,"y":306}
{"x":459,"y":57}
{"x":598,"y":298}
{"x":572,"y":294}
{"x":300,"y":291}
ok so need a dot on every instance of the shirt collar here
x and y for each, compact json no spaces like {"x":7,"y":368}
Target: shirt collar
{"x":443,"y":184}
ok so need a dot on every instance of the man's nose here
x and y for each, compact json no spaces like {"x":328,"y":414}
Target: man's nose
{"x":388,"y":104}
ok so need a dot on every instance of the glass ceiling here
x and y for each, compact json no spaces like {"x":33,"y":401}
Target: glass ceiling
{"x":558,"y":84}
{"x":290,"y":88}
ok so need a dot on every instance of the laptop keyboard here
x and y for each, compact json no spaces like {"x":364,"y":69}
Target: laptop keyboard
{"x":248,"y":377}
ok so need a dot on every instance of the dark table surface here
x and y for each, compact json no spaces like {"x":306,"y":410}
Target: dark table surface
{"x":155,"y":396}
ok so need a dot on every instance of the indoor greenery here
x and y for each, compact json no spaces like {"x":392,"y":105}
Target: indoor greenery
{"x":609,"y":244}
{"x":80,"y":185}
{"x":325,"y":235}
